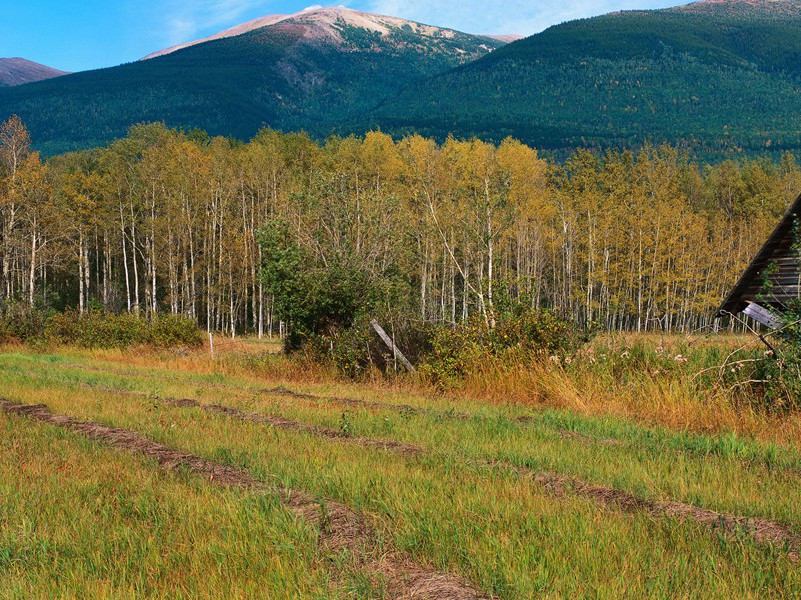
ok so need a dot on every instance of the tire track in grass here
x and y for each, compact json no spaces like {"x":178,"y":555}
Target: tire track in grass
{"x":282,"y":391}
{"x":340,"y":528}
{"x":403,"y":409}
{"x":356,"y":402}
{"x":763,"y":531}
{"x":403,"y":448}
{"x":443,"y":414}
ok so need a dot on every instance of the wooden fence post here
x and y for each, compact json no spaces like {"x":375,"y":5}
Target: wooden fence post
{"x":391,"y":345}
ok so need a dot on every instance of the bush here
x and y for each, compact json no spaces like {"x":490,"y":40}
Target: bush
{"x":97,"y":329}
{"x":20,"y":323}
{"x":312,"y":299}
{"x":357,"y":350}
{"x":522,"y":335}
{"x":776,"y":378}
{"x":769,"y":377}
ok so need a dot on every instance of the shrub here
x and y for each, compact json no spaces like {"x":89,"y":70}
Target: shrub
{"x":768,"y":378}
{"x":107,"y":330}
{"x":357,"y":350}
{"x":97,"y":329}
{"x":19,"y":323}
{"x":522,"y":335}
{"x":777,"y":374}
{"x":312,"y":299}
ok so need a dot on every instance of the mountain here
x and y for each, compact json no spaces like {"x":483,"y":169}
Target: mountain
{"x":719,"y":76}
{"x":753,"y":9}
{"x":326,"y":23}
{"x":312,"y":70}
{"x":16,"y":71}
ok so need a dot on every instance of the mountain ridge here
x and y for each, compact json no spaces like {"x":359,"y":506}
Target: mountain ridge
{"x":717,"y":77}
{"x":771,"y":9}
{"x":310,"y":72}
{"x":19,"y":71}
{"x":327,"y":20}
{"x":699,"y":76}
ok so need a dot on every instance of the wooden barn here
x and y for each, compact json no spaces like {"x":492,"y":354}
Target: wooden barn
{"x":782,"y":250}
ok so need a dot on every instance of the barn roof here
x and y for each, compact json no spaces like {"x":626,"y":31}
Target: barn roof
{"x":779,"y":250}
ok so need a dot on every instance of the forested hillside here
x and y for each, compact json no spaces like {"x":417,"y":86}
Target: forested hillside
{"x":719,"y":78}
{"x":715,"y":77}
{"x":163,"y":221}
{"x":311,"y":72}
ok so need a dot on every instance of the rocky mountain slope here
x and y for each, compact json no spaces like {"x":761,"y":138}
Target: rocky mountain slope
{"x":312,"y":71}
{"x":16,"y":71}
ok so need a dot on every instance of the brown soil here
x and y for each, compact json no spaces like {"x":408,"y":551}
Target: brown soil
{"x":340,"y":528}
{"x":402,"y":408}
{"x":763,"y":531}
{"x":279,"y":422}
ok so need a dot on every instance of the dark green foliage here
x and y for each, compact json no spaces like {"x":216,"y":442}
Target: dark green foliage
{"x":716,"y":84}
{"x":18,"y":322}
{"x":234,"y":87}
{"x":97,"y":329}
{"x":777,"y":376}
{"x":768,"y":377}
{"x":358,"y":350}
{"x":313,"y":299}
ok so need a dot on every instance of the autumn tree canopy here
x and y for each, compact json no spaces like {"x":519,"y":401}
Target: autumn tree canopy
{"x":164,"y":220}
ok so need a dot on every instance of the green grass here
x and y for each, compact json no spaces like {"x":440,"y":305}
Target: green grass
{"x":723,"y":472}
{"x":84,"y":521}
{"x":489,"y":525}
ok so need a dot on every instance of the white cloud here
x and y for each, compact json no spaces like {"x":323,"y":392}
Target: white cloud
{"x":505,"y":16}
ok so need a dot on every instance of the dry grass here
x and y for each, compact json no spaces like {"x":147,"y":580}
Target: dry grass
{"x":674,"y":400}
{"x":510,"y":534}
{"x":671,"y":399}
{"x":667,"y":403}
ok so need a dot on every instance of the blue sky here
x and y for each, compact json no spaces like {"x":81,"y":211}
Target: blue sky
{"x":77,"y":35}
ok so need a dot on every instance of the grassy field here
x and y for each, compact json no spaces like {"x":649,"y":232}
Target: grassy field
{"x":504,"y":498}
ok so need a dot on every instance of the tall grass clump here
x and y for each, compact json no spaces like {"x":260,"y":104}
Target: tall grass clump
{"x":520,"y":337}
{"x":770,"y":376}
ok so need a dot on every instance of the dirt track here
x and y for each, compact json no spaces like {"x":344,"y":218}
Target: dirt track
{"x":763,"y":531}
{"x":340,"y":528}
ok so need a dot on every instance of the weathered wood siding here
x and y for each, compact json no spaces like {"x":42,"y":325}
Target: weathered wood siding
{"x":781,"y":250}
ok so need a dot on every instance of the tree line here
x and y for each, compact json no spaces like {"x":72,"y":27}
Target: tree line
{"x":173,"y":221}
